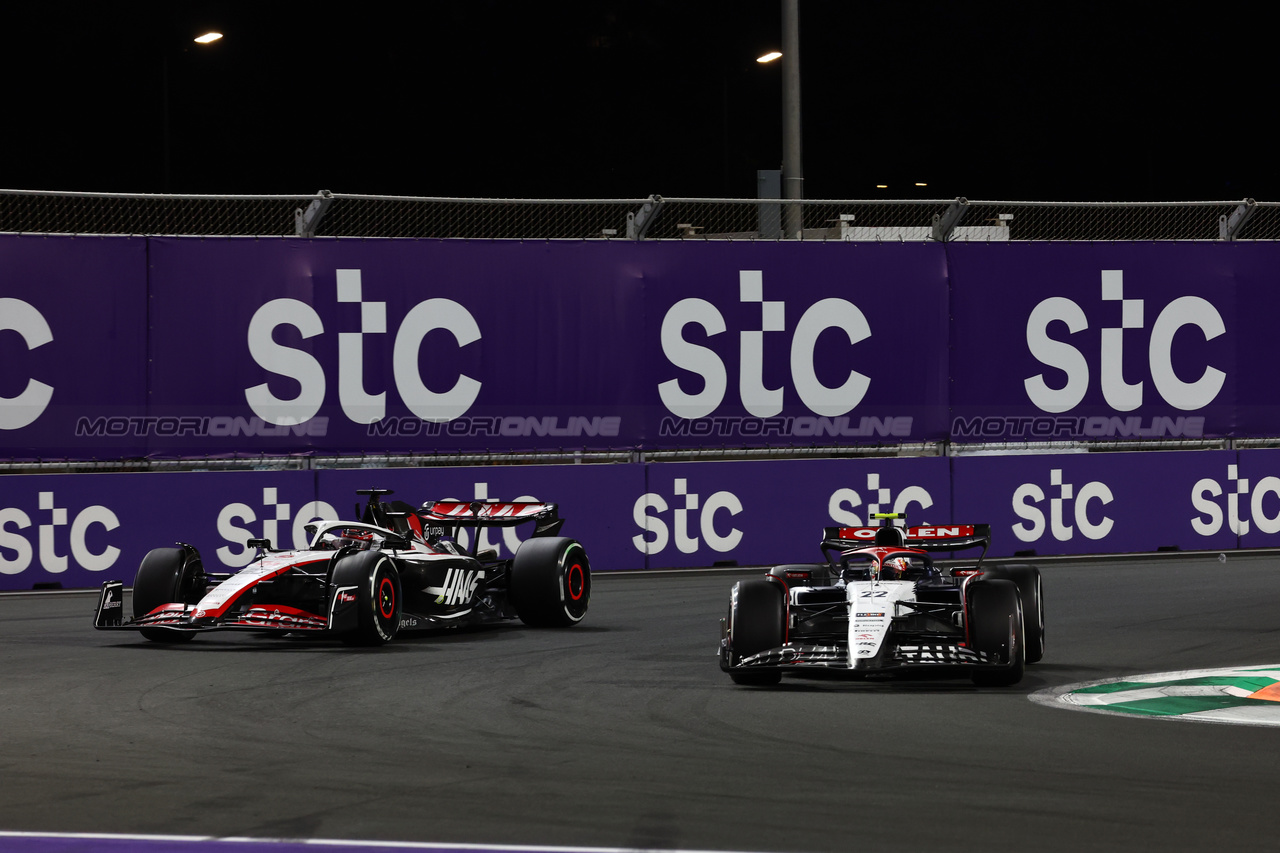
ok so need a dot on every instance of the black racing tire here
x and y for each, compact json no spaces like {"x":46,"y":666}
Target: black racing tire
{"x":167,"y":576}
{"x":378,"y":598}
{"x":995,"y":626}
{"x":757,"y":623}
{"x":550,"y":582}
{"x":1030,"y":590}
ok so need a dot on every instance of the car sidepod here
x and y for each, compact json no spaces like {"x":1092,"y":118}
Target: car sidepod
{"x":440,"y":590}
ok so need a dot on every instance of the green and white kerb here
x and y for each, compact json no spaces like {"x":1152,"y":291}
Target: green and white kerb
{"x":1246,"y":696}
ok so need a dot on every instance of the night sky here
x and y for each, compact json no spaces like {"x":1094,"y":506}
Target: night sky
{"x":489,"y":98}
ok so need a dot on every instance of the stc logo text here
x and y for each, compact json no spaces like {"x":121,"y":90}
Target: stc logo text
{"x":239,"y":522}
{"x":1245,"y":504}
{"x":758,"y":399}
{"x":30,"y":403}
{"x":1119,"y":392}
{"x":691,"y":521}
{"x":82,"y":543}
{"x":359,"y":404}
{"x":1070,"y":509}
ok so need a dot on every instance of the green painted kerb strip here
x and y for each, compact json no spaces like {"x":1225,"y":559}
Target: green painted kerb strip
{"x":1250,"y":684}
{"x":1176,"y":706}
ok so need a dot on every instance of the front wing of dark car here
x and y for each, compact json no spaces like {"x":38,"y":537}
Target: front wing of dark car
{"x":340,"y":617}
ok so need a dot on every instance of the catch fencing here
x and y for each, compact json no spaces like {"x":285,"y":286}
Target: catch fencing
{"x":328,"y":214}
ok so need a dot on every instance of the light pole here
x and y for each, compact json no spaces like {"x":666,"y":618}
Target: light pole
{"x":792,"y":173}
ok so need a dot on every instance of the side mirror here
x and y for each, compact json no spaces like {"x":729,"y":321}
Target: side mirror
{"x":395,"y":543}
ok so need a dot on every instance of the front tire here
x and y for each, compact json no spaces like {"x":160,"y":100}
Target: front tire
{"x":1030,"y":592}
{"x":757,"y":623}
{"x":167,"y":576}
{"x":995,"y":627}
{"x":550,"y":582}
{"x":378,"y":597}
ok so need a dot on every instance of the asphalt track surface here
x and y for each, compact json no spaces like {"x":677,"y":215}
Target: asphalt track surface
{"x":623,"y":733}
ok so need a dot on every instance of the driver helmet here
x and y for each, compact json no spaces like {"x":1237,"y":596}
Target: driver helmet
{"x":895,"y":568}
{"x":358,"y":539}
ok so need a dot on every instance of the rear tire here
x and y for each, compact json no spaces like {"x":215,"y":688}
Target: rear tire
{"x":1030,"y":592}
{"x":757,"y":623}
{"x":995,"y":627}
{"x":167,"y":576}
{"x":377,"y":598}
{"x":550,"y":582}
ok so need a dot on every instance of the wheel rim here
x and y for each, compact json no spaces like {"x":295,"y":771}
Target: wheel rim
{"x":386,"y":598}
{"x":576,"y":582}
{"x":386,"y":605}
{"x":576,"y":576}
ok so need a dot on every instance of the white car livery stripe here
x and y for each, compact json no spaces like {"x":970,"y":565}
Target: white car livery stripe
{"x":221,"y":596}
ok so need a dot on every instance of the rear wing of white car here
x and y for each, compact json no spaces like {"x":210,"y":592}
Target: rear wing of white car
{"x":948,"y":537}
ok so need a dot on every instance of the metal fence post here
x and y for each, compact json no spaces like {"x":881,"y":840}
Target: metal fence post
{"x":1229,"y":227}
{"x":306,"y":222}
{"x":638,"y":222}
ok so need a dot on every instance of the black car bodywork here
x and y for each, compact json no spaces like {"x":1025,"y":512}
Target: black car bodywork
{"x":399,"y":568}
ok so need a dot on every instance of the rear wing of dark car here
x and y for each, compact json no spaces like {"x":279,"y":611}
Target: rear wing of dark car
{"x":948,"y":537}
{"x":435,"y":519}
{"x":444,"y":518}
{"x":545,"y":516}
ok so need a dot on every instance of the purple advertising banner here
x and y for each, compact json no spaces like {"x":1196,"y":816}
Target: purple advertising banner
{"x":1113,"y":341}
{"x":73,"y":346}
{"x":353,"y":346}
{"x":439,"y":346}
{"x":1244,"y":498}
{"x":1253,"y":268}
{"x":78,"y":530}
{"x":248,"y":346}
{"x":119,"y":347}
{"x":1097,"y":503}
{"x":795,"y":344}
{"x":761,"y":512}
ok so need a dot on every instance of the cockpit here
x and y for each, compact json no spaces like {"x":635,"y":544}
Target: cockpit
{"x":878,"y":564}
{"x":359,"y":537}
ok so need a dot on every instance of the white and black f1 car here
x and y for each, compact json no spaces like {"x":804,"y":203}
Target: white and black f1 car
{"x":399,"y":568}
{"x":879,"y":604}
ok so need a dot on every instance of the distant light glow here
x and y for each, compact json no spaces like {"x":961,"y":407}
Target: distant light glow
{"x":208,"y":37}
{"x":921,"y":184}
{"x":770,"y":56}
{"x":882,"y":186}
